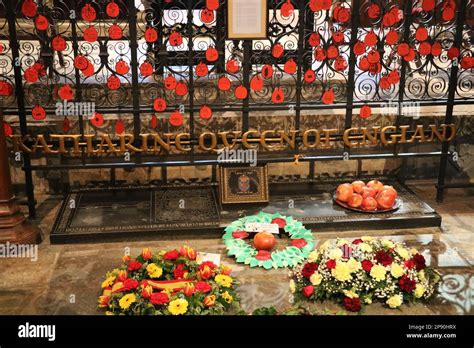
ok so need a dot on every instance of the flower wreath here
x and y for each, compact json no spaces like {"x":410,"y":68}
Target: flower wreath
{"x":364,"y":270}
{"x":301,"y":242}
{"x":170,"y":282}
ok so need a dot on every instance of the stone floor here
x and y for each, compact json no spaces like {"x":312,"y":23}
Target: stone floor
{"x":66,"y":278}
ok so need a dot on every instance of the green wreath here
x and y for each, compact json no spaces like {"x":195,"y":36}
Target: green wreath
{"x":301,"y":242}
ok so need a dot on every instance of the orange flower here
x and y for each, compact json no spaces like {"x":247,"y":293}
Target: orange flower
{"x":188,"y":252}
{"x":126,"y":258}
{"x":147,"y":291}
{"x":210,"y":300}
{"x":189,"y":289}
{"x":122,"y":276}
{"x":206,"y":272}
{"x":226,"y":270}
{"x":146,"y":254}
{"x":103,"y":301}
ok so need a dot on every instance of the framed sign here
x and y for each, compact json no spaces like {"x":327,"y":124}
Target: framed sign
{"x":247,"y":19}
{"x":243,"y":184}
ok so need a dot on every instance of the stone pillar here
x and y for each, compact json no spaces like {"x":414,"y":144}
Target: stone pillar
{"x":14,"y":227}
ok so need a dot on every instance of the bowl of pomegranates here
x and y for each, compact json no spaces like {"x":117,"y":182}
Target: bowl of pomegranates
{"x":371,"y":197}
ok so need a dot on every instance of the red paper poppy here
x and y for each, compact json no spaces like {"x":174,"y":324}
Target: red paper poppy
{"x":176,"y":119}
{"x":384,"y":82}
{"x":91,"y":34}
{"x":119,"y":127}
{"x":392,"y":37}
{"x":394,"y":77}
{"x":88,"y":13}
{"x":121,"y":67}
{"x":41,"y":22}
{"x":299,"y":243}
{"x":66,"y":125}
{"x":176,"y":39}
{"x":97,"y":119}
{"x":453,"y":53}
{"x":113,"y":82}
{"x":309,"y":76}
{"x":373,"y":11}
{"x":359,"y":48}
{"x":410,"y":56}
{"x":365,"y":111}
{"x":290,"y":66}
{"x":159,"y":104}
{"x":436,"y":49}
{"x":277,"y":50}
{"x":314,"y":40}
{"x":328,"y":97}
{"x":212,"y":4}
{"x":207,"y":16}
{"x":154,"y":121}
{"x":287,"y":9}
{"x":211,"y":54}
{"x":38,"y":113}
{"x":7,"y":129}
{"x":338,"y":37}
{"x":256,"y":83}
{"x":332,"y":52}
{"x":202,"y":70}
{"x":370,"y":39}
{"x":240,"y":234}
{"x":340,"y":64}
{"x":224,"y":83}
{"x":373,"y":57}
{"x":181,"y":89}
{"x":29,"y":8}
{"x":342,"y":14}
{"x":397,"y":13}
{"x":319,"y":5}
{"x":205,"y":112}
{"x":403,"y":49}
{"x":146,"y":69}
{"x":66,"y":92}
{"x":364,"y":64}
{"x":375,"y":68}
{"x":389,"y":19}
{"x":428,"y":5}
{"x":425,"y":48}
{"x":263,"y":255}
{"x":278,"y":96}
{"x":31,"y":74}
{"x":448,"y":13}
{"x":241,"y":92}
{"x":150,"y":35}
{"x":280,"y":222}
{"x":421,"y":34}
{"x":115,"y":32}
{"x":112,"y":9}
{"x":6,"y":89}
{"x":58,"y":43}
{"x":232,"y":66}
{"x":170,"y":82}
{"x":80,"y":62}
{"x":319,"y":54}
{"x":267,"y":71}
{"x":467,"y":62}
{"x":89,"y":70}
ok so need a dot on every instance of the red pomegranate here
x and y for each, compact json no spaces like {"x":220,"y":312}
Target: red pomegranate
{"x":375,"y":184}
{"x":344,"y":192}
{"x":386,"y":199}
{"x":368,"y":192}
{"x":391,"y":188}
{"x":369,"y":204}
{"x":264,"y":241}
{"x":358,"y":186}
{"x":355,"y":201}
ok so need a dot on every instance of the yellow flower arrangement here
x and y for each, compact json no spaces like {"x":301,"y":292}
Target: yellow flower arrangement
{"x":316,"y":278}
{"x":108,"y":282}
{"x":366,"y":247}
{"x":350,"y":294}
{"x":223,"y":280}
{"x":292,"y":286}
{"x":378,"y":272}
{"x":336,"y":254}
{"x":395,"y":301}
{"x":227,"y":297}
{"x":341,"y":272}
{"x":127,"y":300}
{"x":404,"y":253}
{"x":313,"y":256}
{"x":178,"y":306}
{"x":354,"y":265}
{"x":419,"y":290}
{"x":396,"y":270}
{"x":154,"y":271}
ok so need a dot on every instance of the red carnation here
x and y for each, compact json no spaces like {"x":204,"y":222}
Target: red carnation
{"x":407,"y":284}
{"x":263,"y":255}
{"x":352,"y":304}
{"x":280,"y":222}
{"x":130,"y":284}
{"x":171,"y":255}
{"x":308,"y":290}
{"x":331,"y":264}
{"x":159,"y":298}
{"x":203,"y":287}
{"x":134,"y":265}
{"x":409,"y":263}
{"x":179,"y":271}
{"x":209,"y":264}
{"x":367,"y":265}
{"x":357,"y":241}
{"x":308,"y":269}
{"x":420,"y":262}
{"x":383,"y":258}
{"x":240,"y":234}
{"x":299,"y":243}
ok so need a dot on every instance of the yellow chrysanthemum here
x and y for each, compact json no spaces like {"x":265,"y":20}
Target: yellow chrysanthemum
{"x":316,"y":278}
{"x":324,"y":246}
{"x":223,"y":280}
{"x":378,"y":272}
{"x":365,"y":247}
{"x":421,"y":275}
{"x":335,"y":254}
{"x":341,"y":272}
{"x":313,"y":256}
{"x":395,"y":301}
{"x":387,"y":243}
{"x":179,"y":306}
{"x":413,"y":251}
{"x":367,"y":238}
{"x":126,"y":301}
{"x":419,"y":290}
{"x":154,"y":271}
{"x":404,"y":253}
{"x":227,"y":297}
{"x":350,"y":294}
{"x":354,"y":265}
{"x":108,"y":282}
{"x":292,"y":286}
{"x":396,"y":270}
{"x":341,"y":242}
